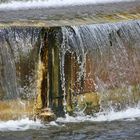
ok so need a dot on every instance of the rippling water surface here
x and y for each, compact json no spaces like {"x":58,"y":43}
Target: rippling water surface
{"x":110,"y":125}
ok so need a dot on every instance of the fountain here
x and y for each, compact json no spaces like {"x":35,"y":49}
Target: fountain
{"x":61,"y":66}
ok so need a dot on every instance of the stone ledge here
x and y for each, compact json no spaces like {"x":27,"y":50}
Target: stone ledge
{"x":71,"y":15}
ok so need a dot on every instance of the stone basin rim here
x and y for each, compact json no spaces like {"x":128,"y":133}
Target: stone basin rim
{"x":71,"y":15}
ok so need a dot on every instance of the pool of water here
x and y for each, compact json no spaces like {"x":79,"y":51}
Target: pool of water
{"x":79,"y":131}
{"x":124,"y":125}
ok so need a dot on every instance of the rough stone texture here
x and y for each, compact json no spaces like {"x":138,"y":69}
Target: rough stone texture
{"x":15,"y":109}
{"x":89,"y":102}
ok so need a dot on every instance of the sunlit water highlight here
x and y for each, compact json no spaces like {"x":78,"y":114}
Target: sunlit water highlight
{"x":50,"y":3}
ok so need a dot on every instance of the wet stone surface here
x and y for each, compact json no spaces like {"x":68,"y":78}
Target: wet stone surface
{"x":70,"y":15}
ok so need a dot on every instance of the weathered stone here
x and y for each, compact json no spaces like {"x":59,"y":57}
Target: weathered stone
{"x":68,"y":15}
{"x":15,"y":109}
{"x":120,"y":98}
{"x":47,"y":115}
{"x":89,"y":102}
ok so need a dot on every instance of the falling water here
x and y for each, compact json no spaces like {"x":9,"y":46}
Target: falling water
{"x":92,"y":70}
{"x":103,"y":59}
{"x":18,"y":55}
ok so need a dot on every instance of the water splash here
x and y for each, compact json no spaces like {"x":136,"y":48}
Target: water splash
{"x":130,"y":114}
{"x":20,"y":125}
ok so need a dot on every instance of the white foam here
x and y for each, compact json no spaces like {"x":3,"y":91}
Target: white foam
{"x":50,"y":3}
{"x":129,"y":114}
{"x":20,"y":125}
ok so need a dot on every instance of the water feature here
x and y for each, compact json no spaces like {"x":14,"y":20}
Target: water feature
{"x":18,"y":55}
{"x":102,"y":127}
{"x":87,"y":76}
{"x":93,"y":74}
{"x":105,"y":56}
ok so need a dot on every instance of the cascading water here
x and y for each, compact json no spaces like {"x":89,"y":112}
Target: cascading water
{"x":86,"y":77}
{"x":103,"y":59}
{"x":89,"y":69}
{"x":93,"y":68}
{"x":18,"y":55}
